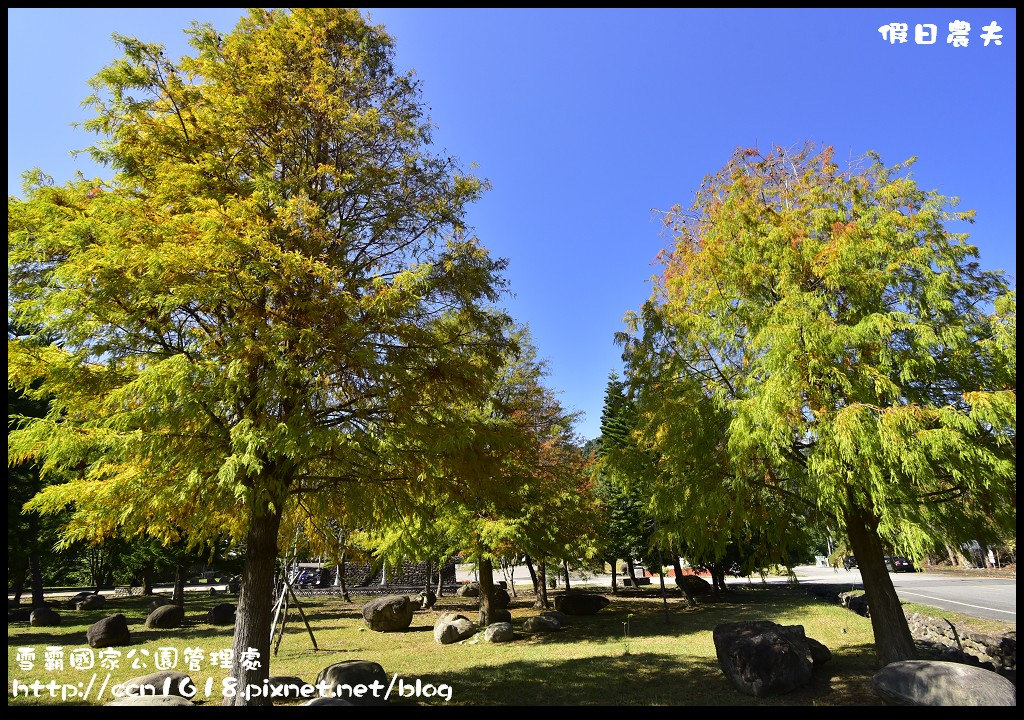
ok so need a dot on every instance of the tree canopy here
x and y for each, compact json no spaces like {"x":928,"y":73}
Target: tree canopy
{"x":822,"y":344}
{"x":274,"y":298}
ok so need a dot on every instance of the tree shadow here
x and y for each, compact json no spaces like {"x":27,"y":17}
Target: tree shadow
{"x":641,"y":679}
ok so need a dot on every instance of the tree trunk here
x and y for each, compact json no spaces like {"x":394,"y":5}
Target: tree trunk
{"x":178,"y":596}
{"x":533,"y":575}
{"x":486,"y":579}
{"x":426,"y":583}
{"x":541,"y":603}
{"x":440,"y":576}
{"x":17,"y":577}
{"x":341,"y":578}
{"x":512,"y":579}
{"x":615,"y":587}
{"x":661,"y":579}
{"x":893,"y":641}
{"x":565,"y":567}
{"x":38,"y":599}
{"x":147,"y":578}
{"x":677,"y":567}
{"x":631,"y":569}
{"x":255,"y":604}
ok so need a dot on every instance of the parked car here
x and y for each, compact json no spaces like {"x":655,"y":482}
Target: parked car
{"x":897,"y":563}
{"x":307,"y":577}
{"x":849,"y":562}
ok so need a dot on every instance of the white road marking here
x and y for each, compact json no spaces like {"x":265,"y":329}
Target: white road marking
{"x":980,"y":607}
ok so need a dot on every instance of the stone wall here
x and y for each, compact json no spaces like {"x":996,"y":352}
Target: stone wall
{"x":936,"y":638}
{"x":411,"y":574}
{"x":993,"y":652}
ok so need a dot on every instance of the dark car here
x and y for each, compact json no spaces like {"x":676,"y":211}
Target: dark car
{"x":899,"y":564}
{"x":307,"y":577}
{"x":849,"y":562}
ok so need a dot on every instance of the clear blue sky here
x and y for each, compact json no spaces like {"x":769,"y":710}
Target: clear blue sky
{"x":586,"y":120}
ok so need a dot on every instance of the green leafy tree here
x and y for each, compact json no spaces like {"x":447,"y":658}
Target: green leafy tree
{"x":822,"y":346}
{"x":273,"y":299}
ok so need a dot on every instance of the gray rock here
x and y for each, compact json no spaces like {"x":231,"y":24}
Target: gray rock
{"x":931,"y":682}
{"x":223,"y":614}
{"x":763,"y":658}
{"x":695,"y":585}
{"x":93,"y":602}
{"x":291,"y":684}
{"x":351,"y":673}
{"x":151,"y":701}
{"x":109,"y":632}
{"x":43,"y":617}
{"x":165,"y":682}
{"x":159,"y":602}
{"x":500,"y":599}
{"x":426,"y":599}
{"x":498,"y":632}
{"x":166,"y":616}
{"x":328,"y":701}
{"x":561,"y":617}
{"x":499,"y":616}
{"x":579,"y":603}
{"x":388,"y":614}
{"x":452,"y":627}
{"x":469,"y":590}
{"x":79,"y":597}
{"x":541,"y":623}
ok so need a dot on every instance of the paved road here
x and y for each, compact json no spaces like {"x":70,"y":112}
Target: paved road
{"x":993,"y":598}
{"x":984,"y":597}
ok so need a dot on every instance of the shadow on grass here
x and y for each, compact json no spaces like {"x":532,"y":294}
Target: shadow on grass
{"x":647,"y":619}
{"x":642,"y":679}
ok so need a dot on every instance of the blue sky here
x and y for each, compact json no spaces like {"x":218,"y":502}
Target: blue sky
{"x":585,"y":121}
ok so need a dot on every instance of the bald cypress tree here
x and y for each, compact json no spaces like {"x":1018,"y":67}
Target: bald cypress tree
{"x":823,"y":344}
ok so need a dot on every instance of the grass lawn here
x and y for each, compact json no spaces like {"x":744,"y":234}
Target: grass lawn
{"x":586,"y":663}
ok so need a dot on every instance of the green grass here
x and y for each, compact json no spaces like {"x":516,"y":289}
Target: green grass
{"x":670,"y":663}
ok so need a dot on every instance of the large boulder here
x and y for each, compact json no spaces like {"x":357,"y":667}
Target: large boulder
{"x":290,"y":685}
{"x":43,"y":617}
{"x":500,"y":616}
{"x":578,"y":603}
{"x":933,"y":682}
{"x":91,"y":602}
{"x":164,"y":682}
{"x":856,"y":601}
{"x":151,"y":701}
{"x":695,"y":585}
{"x":348,"y":675}
{"x":166,"y":616}
{"x":500,"y":599}
{"x":329,"y":701}
{"x":763,"y":658}
{"x":452,"y":627}
{"x":20,"y":614}
{"x":498,"y":632}
{"x":561,"y":617}
{"x":426,"y":599}
{"x":109,"y":632}
{"x":160,"y":602}
{"x":223,"y":614}
{"x":469,"y":590}
{"x":541,"y":623}
{"x":390,"y":613}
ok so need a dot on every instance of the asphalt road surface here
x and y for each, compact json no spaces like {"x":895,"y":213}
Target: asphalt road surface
{"x":984,"y":597}
{"x":993,"y":598}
